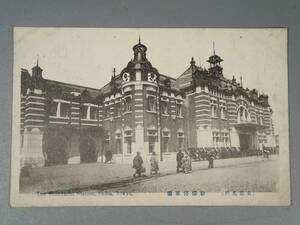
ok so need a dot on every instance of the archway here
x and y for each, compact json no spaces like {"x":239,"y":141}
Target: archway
{"x":243,"y":114}
{"x":56,"y":151}
{"x":88,"y":150}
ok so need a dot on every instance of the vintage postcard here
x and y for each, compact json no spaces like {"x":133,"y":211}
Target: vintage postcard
{"x":133,"y":116}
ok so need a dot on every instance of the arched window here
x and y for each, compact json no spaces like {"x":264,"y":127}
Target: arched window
{"x":243,"y":115}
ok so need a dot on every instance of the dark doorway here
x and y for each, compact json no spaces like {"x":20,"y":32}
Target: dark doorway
{"x":245,"y":141}
{"x":56,"y":151}
{"x":88,"y":153}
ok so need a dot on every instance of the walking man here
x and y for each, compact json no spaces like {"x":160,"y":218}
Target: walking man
{"x":137,"y":165}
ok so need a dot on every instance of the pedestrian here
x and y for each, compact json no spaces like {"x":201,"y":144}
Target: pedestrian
{"x":154,"y":164}
{"x":265,"y":151}
{"x":108,"y":156}
{"x":210,"y":158}
{"x":187,"y":164}
{"x":137,"y":165}
{"x":179,"y":158}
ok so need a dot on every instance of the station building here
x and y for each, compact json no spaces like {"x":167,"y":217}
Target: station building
{"x":139,"y":110}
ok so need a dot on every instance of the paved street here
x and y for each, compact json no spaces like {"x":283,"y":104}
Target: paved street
{"x":257,"y":176}
{"x":248,"y":173}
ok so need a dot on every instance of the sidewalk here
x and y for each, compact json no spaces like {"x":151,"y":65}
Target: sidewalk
{"x":81,"y":176}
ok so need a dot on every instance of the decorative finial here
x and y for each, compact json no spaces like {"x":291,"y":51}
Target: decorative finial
{"x":192,"y":61}
{"x":214,"y":47}
{"x":233,"y":79}
{"x":37,"y":60}
{"x":114,"y":71}
{"x":241,"y":78}
{"x":139,"y":39}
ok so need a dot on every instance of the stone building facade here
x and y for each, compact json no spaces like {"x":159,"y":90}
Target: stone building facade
{"x":139,"y":110}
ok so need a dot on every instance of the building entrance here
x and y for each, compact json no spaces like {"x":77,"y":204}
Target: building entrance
{"x":56,"y":151}
{"x":88,"y":153}
{"x":245,"y":142}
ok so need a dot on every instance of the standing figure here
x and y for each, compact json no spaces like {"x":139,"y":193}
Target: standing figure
{"x":154,"y":164}
{"x":265,"y":151}
{"x":187,"y":164}
{"x":179,"y":158}
{"x":210,"y":158}
{"x":137,"y":165}
{"x":108,"y":156}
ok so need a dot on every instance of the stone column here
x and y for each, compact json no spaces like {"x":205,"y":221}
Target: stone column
{"x":34,"y":119}
{"x":31,"y":153}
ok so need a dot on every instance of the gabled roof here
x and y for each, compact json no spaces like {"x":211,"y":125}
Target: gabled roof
{"x":72,"y":87}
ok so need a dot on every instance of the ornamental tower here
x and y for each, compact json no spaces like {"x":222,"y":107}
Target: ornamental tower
{"x":215,"y":64}
{"x":140,"y":93}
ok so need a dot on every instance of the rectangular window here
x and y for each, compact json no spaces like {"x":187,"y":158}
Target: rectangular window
{"x":128,"y":104}
{"x":164,"y":108}
{"x":104,"y":112}
{"x":178,"y":110}
{"x":83,"y":112}
{"x":53,"y":108}
{"x":118,"y":146}
{"x":129,"y":145}
{"x":64,"y":109}
{"x":213,"y":108}
{"x":165,"y":144}
{"x":94,"y":113}
{"x":151,"y":144}
{"x":118,"y":110}
{"x":222,"y":110}
{"x":107,"y":111}
{"x":215,"y":139}
{"x":151,"y":104}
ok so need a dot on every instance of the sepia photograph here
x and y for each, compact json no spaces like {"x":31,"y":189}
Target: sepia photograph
{"x":150,"y":116}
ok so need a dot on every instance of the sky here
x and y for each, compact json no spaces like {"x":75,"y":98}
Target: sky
{"x":87,"y":56}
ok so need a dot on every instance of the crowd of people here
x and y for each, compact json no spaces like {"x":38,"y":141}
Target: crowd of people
{"x":184,"y":159}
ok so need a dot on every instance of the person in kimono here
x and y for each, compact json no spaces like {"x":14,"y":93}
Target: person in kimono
{"x":154,"y":164}
{"x":138,"y":165}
